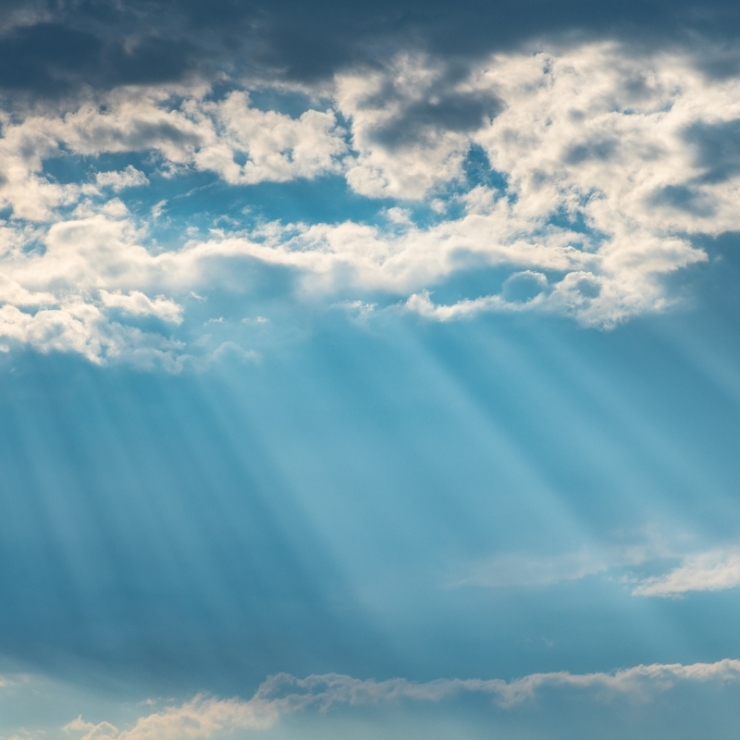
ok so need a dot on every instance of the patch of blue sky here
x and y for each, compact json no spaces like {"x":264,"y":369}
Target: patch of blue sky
{"x":478,"y":170}
{"x":189,"y":199}
{"x":288,"y":102}
{"x":202,"y":201}
{"x":576,"y":222}
{"x":69,"y":168}
{"x":311,"y":513}
{"x":321,"y":509}
{"x":183,"y":588}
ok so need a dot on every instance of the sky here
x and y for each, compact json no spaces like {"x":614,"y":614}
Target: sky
{"x":369,"y":370}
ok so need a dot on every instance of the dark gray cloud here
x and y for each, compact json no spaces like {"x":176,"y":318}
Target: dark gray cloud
{"x":717,"y":147}
{"x":599,"y":149}
{"x":443,"y":110}
{"x":140,"y":136}
{"x":46,"y":48}
{"x":51,"y":58}
{"x":683,"y":198}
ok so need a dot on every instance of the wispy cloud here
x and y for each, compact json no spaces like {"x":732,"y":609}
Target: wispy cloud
{"x":522,"y":569}
{"x":715,"y":570}
{"x":119,"y":180}
{"x":518,"y":569}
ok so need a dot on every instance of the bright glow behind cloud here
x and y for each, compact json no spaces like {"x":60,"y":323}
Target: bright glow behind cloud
{"x":607,"y":166}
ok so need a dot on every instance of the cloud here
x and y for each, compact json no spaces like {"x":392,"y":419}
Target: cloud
{"x":276,"y":147}
{"x":56,"y":48}
{"x":138,"y":304}
{"x":201,"y":718}
{"x":411,"y":124}
{"x":49,"y":58}
{"x":710,"y":570}
{"x":715,"y":570}
{"x":516,"y":569}
{"x":519,"y":570}
{"x":117,"y":181}
{"x":206,"y":717}
{"x":241,"y":144}
{"x":598,"y":171}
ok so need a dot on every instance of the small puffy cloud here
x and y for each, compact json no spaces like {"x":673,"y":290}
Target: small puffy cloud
{"x":118,"y":180}
{"x":138,"y":304}
{"x":273,"y":146}
{"x":200,"y":719}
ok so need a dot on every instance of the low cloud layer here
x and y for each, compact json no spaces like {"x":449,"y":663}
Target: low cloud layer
{"x":204,"y":718}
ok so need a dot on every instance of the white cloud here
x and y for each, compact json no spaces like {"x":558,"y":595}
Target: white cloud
{"x":204,"y":718}
{"x":275,"y":147}
{"x":627,"y":551}
{"x":117,"y":181}
{"x":409,"y":126}
{"x":609,"y":162}
{"x":183,"y":128}
{"x":198,"y":719}
{"x":710,"y":570}
{"x":715,"y":570}
{"x":138,"y":304}
{"x":588,"y":136}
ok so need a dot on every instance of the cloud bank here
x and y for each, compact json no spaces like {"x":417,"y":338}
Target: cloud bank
{"x":595,"y":172}
{"x":207,"y":717}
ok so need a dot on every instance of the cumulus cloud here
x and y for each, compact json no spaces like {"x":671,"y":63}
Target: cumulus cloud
{"x":410,"y":125}
{"x":238,"y":142}
{"x":117,"y":181}
{"x":198,"y":719}
{"x":138,"y":304}
{"x":206,"y":717}
{"x":604,"y":168}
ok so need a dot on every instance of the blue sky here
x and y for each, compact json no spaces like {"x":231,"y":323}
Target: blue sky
{"x":368,"y":373}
